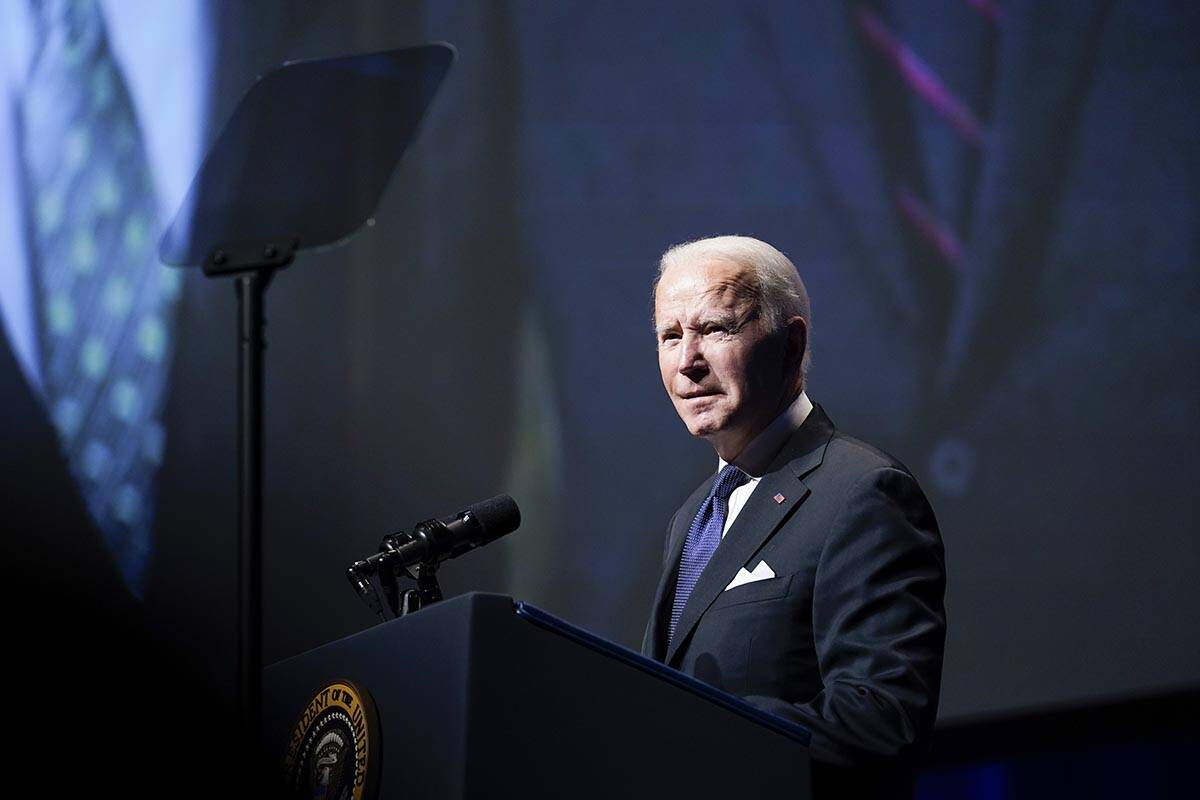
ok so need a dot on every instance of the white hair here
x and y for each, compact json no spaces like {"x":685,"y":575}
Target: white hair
{"x":779,"y":291}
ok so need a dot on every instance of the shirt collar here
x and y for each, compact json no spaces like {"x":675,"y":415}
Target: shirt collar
{"x":758,"y":455}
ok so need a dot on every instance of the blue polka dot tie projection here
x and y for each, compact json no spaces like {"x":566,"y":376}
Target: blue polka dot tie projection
{"x":104,"y":301}
{"x":703,"y":537}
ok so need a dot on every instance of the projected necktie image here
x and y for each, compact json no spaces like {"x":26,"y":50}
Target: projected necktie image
{"x":104,"y":303}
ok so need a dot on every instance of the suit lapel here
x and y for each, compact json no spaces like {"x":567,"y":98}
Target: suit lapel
{"x":1046,"y":63}
{"x":758,"y":520}
{"x":815,"y":57}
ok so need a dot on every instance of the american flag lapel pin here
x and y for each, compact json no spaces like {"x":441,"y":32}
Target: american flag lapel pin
{"x":779,"y":498}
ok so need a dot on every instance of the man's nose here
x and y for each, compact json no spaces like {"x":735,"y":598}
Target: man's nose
{"x":691,"y":357}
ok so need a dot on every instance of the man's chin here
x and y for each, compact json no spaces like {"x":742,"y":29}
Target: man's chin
{"x":705,"y":412}
{"x":703,"y":426}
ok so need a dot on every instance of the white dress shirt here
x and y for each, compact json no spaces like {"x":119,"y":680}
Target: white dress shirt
{"x":758,"y":455}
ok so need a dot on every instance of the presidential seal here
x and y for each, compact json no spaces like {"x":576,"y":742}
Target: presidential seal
{"x":333,"y":750}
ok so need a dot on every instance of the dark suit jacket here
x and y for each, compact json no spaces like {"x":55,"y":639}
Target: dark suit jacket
{"x":847,"y":639}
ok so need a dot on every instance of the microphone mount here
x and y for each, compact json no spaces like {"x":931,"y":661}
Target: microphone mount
{"x":417,"y":555}
{"x":378,"y":575}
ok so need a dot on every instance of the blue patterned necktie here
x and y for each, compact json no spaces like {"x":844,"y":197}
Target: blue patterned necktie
{"x":703,"y":537}
{"x":104,"y":302}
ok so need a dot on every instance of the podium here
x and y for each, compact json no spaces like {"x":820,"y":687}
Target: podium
{"x":483,"y":697}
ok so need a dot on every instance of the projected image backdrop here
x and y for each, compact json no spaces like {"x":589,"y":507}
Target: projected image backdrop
{"x":992,"y":206}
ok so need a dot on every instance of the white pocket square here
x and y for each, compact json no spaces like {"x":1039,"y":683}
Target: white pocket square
{"x":760,"y":573}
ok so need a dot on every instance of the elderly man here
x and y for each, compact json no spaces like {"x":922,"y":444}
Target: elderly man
{"x":807,"y":575}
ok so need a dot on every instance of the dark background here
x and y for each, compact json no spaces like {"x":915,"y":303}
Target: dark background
{"x":490,"y":332}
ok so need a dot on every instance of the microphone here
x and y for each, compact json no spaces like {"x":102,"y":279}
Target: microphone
{"x":436,"y":540}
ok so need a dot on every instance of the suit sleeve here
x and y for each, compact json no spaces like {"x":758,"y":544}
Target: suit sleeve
{"x":879,"y":626}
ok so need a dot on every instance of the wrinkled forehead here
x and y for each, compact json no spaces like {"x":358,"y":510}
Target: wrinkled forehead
{"x":700,"y":283}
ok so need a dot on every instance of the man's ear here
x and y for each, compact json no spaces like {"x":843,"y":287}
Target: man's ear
{"x":797,"y":342}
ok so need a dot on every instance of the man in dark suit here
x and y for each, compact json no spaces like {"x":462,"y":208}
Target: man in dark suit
{"x":808,"y":575}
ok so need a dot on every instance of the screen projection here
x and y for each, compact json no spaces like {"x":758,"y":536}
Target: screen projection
{"x":995,"y":218}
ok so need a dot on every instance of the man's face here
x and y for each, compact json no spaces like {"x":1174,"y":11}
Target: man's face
{"x":725,"y":375}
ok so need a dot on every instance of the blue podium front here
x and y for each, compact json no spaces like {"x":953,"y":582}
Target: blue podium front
{"x":480,"y":696}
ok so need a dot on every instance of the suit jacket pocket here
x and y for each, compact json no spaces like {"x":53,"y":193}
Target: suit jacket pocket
{"x":767,"y":589}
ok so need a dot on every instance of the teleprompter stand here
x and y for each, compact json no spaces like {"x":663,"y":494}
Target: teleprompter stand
{"x":301,"y":163}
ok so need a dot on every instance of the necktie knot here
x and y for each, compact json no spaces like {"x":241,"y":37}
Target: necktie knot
{"x":71,"y":30}
{"x":728,"y":479}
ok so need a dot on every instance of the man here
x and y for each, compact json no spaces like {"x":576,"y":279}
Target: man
{"x":808,"y":575}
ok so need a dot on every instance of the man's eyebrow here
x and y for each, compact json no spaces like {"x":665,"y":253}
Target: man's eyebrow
{"x":732,"y":321}
{"x":726,"y":318}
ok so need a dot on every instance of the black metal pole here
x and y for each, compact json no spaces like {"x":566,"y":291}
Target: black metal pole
{"x":250,"y":288}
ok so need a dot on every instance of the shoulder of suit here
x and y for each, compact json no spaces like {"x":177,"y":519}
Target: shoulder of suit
{"x":847,"y":454}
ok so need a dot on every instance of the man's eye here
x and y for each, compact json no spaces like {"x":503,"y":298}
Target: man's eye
{"x":719,"y":330}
